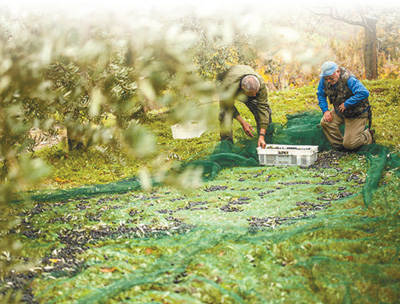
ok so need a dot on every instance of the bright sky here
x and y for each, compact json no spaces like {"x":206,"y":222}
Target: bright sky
{"x":179,"y":6}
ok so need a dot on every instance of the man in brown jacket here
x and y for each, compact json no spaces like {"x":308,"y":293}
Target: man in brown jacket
{"x":242,"y":83}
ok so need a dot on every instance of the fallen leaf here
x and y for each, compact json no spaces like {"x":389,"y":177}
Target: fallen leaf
{"x":107,"y":269}
{"x":149,"y":250}
{"x":59,"y":180}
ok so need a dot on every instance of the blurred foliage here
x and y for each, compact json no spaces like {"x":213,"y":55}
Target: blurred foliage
{"x":213,"y":56}
{"x":389,"y":35}
{"x":349,"y":54}
{"x":219,"y":45}
{"x":21,"y":67}
{"x":389,"y":41}
{"x":56,"y":75}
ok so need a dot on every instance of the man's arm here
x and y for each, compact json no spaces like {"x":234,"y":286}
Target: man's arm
{"x":360,"y":92}
{"x":322,"y":101}
{"x":264,"y":114}
{"x":248,"y":129}
{"x":263,"y":108}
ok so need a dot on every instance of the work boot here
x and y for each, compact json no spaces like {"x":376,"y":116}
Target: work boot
{"x":372,"y":132}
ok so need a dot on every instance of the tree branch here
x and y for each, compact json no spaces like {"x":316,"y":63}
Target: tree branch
{"x":340,"y":18}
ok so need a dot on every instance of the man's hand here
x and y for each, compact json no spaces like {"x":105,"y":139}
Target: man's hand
{"x":261,"y":142}
{"x":328,"y":116}
{"x":342,"y":108}
{"x":247,"y":128}
{"x":261,"y":138}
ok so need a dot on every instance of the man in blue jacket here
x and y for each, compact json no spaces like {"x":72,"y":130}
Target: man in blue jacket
{"x":350,"y":103}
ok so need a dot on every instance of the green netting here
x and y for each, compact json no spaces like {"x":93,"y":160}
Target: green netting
{"x":300,"y":129}
{"x":121,"y":186}
{"x":250,"y":234}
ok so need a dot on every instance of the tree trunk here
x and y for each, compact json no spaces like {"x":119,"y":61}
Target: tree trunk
{"x":370,"y":49}
{"x":64,"y":140}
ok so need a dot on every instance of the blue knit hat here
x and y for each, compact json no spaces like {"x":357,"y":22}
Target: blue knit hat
{"x":327,"y":68}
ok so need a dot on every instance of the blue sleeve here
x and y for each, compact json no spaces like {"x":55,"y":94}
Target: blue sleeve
{"x":359,"y":91}
{"x":322,"y":101}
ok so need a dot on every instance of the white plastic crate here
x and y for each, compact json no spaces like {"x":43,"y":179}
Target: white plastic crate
{"x":189,"y":129}
{"x":287,"y":155}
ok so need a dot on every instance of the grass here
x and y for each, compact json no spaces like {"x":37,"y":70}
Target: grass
{"x":96,"y":167}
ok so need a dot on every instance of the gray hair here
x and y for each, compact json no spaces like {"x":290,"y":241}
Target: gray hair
{"x":250,"y":83}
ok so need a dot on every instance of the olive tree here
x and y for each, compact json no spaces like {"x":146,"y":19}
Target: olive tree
{"x":54,"y":74}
